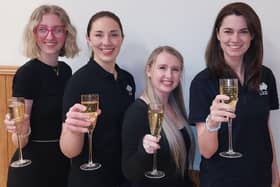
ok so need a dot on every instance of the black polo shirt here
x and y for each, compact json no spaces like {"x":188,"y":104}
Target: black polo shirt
{"x":250,"y":132}
{"x":115,"y":96}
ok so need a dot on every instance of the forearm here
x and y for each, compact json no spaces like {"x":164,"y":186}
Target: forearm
{"x":71,"y":143}
{"x":275,"y":171}
{"x":207,"y":141}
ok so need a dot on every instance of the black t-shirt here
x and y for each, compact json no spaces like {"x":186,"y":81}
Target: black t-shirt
{"x":38,"y":81}
{"x":114,"y":98}
{"x":136,"y":161}
{"x":250,"y":132}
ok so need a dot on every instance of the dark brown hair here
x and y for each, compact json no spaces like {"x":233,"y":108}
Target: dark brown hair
{"x":104,"y":14}
{"x":253,"y":58}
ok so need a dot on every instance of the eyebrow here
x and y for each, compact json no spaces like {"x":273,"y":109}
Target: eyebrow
{"x":112,"y":31}
{"x":42,"y":25}
{"x":229,"y":28}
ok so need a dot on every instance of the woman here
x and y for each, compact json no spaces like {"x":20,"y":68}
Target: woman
{"x":41,"y":81}
{"x":116,"y":89}
{"x":175,"y":147}
{"x":235,"y":50}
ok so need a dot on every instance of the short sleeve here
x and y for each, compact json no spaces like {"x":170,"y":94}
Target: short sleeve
{"x":24,"y":83}
{"x":202,"y":92}
{"x":273,"y":96}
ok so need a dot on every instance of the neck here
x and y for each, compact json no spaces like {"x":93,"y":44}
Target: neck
{"x":237,"y":66}
{"x":107,"y":66}
{"x":49,"y":59}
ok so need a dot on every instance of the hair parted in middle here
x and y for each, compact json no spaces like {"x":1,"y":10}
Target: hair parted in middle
{"x":253,"y":58}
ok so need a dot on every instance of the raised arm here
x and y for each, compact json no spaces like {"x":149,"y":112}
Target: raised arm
{"x":73,"y":130}
{"x":208,"y":132}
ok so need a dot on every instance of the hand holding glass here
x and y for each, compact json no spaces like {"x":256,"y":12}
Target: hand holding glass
{"x":155,"y":116}
{"x":229,"y":87}
{"x":16,"y":110}
{"x":91,"y":101}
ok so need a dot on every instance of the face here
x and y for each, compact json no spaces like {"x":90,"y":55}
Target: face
{"x":234,"y":37}
{"x":105,"y":39}
{"x":165,"y":73}
{"x":50,"y":35}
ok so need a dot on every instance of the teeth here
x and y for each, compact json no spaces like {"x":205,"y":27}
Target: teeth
{"x":107,"y":50}
{"x":50,"y":43}
{"x":235,"y":47}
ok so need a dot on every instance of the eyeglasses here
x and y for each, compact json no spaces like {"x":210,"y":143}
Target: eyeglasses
{"x":57,"y":31}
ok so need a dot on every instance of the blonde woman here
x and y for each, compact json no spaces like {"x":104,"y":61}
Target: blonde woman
{"x":175,"y":146}
{"x":41,"y":81}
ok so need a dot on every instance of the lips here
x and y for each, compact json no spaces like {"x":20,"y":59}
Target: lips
{"x":235,"y":46}
{"x":50,"y":43}
{"x":167,"y":82}
{"x":107,"y":51}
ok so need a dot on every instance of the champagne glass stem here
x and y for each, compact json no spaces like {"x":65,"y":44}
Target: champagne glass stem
{"x":19,"y":147}
{"x":230,"y":149}
{"x":90,"y":147}
{"x":154,"y":162}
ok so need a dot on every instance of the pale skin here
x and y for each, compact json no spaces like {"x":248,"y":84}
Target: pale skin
{"x":105,"y":39}
{"x":235,"y":39}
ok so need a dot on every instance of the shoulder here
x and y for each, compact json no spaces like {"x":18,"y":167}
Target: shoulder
{"x":266,"y":71}
{"x":124,"y":73}
{"x":137,"y":107}
{"x":65,"y":66}
{"x":204,"y":79}
{"x":80,"y":74}
{"x":30,"y":68}
{"x":202,"y":75}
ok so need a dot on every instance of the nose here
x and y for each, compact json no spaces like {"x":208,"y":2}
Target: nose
{"x":168,"y":73}
{"x":49,"y":35}
{"x":235,"y":37}
{"x":106,"y":40}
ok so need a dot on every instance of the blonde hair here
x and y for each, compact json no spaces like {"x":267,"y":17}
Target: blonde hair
{"x":31,"y":49}
{"x":173,"y":135}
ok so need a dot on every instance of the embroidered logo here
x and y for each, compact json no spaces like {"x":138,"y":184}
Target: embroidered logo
{"x":129,"y":89}
{"x":263,"y":89}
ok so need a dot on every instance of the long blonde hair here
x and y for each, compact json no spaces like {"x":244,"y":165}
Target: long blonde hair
{"x":173,"y":135}
{"x":31,"y":49}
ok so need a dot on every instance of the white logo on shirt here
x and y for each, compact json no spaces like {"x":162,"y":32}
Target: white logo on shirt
{"x":129,"y":89}
{"x":263,"y":89}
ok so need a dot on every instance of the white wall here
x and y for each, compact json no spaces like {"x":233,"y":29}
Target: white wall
{"x":184,"y":24}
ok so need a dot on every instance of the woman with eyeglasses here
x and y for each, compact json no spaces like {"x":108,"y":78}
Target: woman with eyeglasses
{"x":41,"y":81}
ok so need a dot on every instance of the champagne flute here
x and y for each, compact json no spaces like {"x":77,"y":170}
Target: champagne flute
{"x":229,"y":87}
{"x":91,"y":101}
{"x":155,"y":116}
{"x":16,"y":112}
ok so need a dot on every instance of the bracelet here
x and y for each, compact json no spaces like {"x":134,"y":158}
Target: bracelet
{"x":210,"y":129}
{"x":27,"y":134}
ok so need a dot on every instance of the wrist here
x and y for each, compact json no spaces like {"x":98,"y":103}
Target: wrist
{"x":208,"y":127}
{"x":24,"y":135}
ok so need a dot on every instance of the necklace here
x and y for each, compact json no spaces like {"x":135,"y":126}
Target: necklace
{"x":56,"y":70}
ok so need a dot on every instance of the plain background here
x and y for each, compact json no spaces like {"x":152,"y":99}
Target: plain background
{"x":183,"y":24}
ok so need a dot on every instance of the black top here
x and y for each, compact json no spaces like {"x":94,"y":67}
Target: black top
{"x":114,"y":97}
{"x":250,"y":132}
{"x":136,"y":161}
{"x":38,"y":81}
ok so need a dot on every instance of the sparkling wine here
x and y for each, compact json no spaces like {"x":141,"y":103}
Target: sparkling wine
{"x":155,"y":120}
{"x":16,"y":112}
{"x":232,"y":92}
{"x":92,"y":107}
